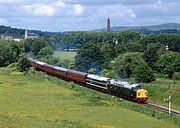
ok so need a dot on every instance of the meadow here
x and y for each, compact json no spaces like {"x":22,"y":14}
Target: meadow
{"x":161,"y":89}
{"x":64,"y":55}
{"x":37,"y":100}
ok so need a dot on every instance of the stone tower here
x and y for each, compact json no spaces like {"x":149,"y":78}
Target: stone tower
{"x":108,"y":25}
{"x":26,"y":34}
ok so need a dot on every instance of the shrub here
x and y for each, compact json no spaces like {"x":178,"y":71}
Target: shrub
{"x":12,"y":65}
{"x":143,"y":73}
{"x":176,"y":76}
{"x":168,"y":63}
{"x":14,"y":73}
{"x":92,"y":70}
{"x":125,"y":64}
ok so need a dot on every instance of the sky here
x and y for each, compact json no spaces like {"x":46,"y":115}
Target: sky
{"x":82,"y":15}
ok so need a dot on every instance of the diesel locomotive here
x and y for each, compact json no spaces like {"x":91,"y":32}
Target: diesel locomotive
{"x":133,"y":92}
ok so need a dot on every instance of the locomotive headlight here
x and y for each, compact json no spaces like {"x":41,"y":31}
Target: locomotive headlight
{"x":139,"y":93}
{"x":146,"y":93}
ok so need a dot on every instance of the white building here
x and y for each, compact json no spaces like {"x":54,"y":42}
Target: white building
{"x":28,"y":35}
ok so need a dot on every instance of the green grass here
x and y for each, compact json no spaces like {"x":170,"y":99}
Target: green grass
{"x":39,"y":101}
{"x":64,"y":55}
{"x":163,"y":88}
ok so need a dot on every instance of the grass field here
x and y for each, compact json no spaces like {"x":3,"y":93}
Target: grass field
{"x":35,"y":101}
{"x":163,"y":88}
{"x":64,"y":55}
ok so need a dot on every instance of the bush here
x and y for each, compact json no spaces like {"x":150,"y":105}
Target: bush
{"x":12,"y":65}
{"x":108,"y":73}
{"x":168,"y":63}
{"x":23,"y":64}
{"x":14,"y":73}
{"x":92,"y":70}
{"x":143,"y":73}
{"x":176,"y":76}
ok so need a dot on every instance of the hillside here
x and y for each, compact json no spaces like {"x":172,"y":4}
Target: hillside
{"x":162,"y":28}
{"x":58,"y":104}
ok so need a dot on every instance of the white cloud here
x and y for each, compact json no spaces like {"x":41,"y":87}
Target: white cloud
{"x":41,"y":9}
{"x":60,"y":4}
{"x":44,"y":10}
{"x":78,"y":9}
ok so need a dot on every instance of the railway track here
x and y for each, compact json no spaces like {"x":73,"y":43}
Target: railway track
{"x":162,"y":108}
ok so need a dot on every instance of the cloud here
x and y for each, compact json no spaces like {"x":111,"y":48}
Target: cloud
{"x":158,"y":10}
{"x":41,"y":9}
{"x":60,"y":4}
{"x":78,"y":9}
{"x":44,"y":10}
{"x":109,"y":2}
{"x":62,"y":15}
{"x":119,"y":14}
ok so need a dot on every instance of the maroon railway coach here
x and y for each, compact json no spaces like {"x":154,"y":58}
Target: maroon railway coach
{"x":76,"y":76}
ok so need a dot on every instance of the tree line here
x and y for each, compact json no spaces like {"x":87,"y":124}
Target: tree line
{"x":129,"y":54}
{"x":75,"y":40}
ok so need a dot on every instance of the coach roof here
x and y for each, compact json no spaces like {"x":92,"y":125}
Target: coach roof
{"x":99,"y":78}
{"x":60,"y":68}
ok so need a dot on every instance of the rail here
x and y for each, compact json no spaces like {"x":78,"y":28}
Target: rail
{"x":162,"y":108}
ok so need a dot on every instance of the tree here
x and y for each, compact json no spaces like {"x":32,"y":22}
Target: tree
{"x":127,"y":36}
{"x":119,"y":49}
{"x":133,"y":46}
{"x":9,"y":52}
{"x":35,"y":45}
{"x":23,"y":64}
{"x":89,"y":56}
{"x":45,"y":52}
{"x":151,"y":54}
{"x":168,"y":63}
{"x":125,"y":63}
{"x":171,"y":40}
{"x":107,"y":51}
{"x":143,"y":73}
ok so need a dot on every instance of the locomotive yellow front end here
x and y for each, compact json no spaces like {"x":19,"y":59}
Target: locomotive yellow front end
{"x":141,"y":96}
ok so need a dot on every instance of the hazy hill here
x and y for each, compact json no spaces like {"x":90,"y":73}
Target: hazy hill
{"x":162,"y":28}
{"x":16,"y":32}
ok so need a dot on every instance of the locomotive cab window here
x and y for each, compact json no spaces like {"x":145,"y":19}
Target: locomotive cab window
{"x":138,"y":87}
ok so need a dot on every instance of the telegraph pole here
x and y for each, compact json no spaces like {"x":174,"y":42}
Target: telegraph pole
{"x":169,"y":99}
{"x":169,"y":103}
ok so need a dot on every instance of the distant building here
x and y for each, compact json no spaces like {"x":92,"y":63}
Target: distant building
{"x":17,"y":39}
{"x":10,"y":38}
{"x":28,"y":35}
{"x":6,"y":37}
{"x":108,"y":25}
